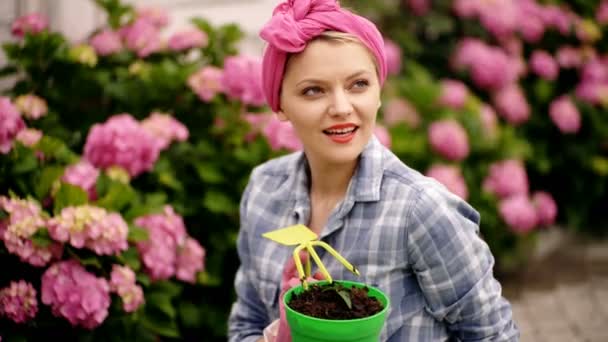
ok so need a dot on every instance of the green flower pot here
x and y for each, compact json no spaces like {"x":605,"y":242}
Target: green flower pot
{"x":310,"y":329}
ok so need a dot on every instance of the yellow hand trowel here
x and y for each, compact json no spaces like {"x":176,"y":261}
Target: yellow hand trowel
{"x":303,"y":237}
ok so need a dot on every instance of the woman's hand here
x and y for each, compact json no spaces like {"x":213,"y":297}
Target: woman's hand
{"x":290,"y":279}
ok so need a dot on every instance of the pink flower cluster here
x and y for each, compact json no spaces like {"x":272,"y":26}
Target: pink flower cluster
{"x":507,"y":178}
{"x":10,"y":124}
{"x":122,"y":282}
{"x":31,"y":106}
{"x":281,"y":134}
{"x":398,"y":110}
{"x":511,"y":104}
{"x":75,"y":294}
{"x":490,"y":66}
{"x":489,"y":121}
{"x":509,"y":182}
{"x":142,"y":37}
{"x":25,"y":219}
{"x":383,"y":135}
{"x":188,"y":39}
{"x":207,"y":82}
{"x":106,"y":42}
{"x":91,"y":227}
{"x":154,"y":15}
{"x":544,"y":65}
{"x":164,"y":129}
{"x":32,"y":23}
{"x":453,"y":94}
{"x":419,"y":7}
{"x":451,"y":177}
{"x":121,"y":141}
{"x":168,"y":250}
{"x":84,"y":175}
{"x":242,"y":80}
{"x":18,"y":301}
{"x":449,"y":139}
{"x":593,"y":86}
{"x":29,"y":137}
{"x":565,"y":115}
{"x":601,"y":14}
{"x":503,"y":18}
{"x":393,"y":57}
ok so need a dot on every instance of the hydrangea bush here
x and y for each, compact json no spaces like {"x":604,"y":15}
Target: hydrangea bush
{"x":504,"y":102}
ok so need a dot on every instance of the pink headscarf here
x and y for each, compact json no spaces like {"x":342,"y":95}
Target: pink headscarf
{"x":295,"y":22}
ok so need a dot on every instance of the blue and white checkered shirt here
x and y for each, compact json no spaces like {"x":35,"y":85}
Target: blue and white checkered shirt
{"x":406,"y":234}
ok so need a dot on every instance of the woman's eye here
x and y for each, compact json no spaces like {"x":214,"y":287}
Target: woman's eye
{"x":361,"y":84}
{"x":311,"y":91}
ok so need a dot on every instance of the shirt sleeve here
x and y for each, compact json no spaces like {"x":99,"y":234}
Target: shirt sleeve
{"x":248,"y":316}
{"x":453,"y":266}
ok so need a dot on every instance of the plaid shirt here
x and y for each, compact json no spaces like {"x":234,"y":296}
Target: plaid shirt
{"x":405,"y":233}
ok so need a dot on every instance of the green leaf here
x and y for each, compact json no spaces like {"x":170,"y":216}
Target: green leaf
{"x":204,"y":278}
{"x":160,"y":325}
{"x":130,"y":257}
{"x":209,"y":173}
{"x":143,"y":279}
{"x":47,"y":177}
{"x":69,"y":195}
{"x":118,"y":196}
{"x":218,"y":202}
{"x":137,"y":234}
{"x":42,"y":238}
{"x":55,"y":148}
{"x":26,"y":159}
{"x":166,"y":287}
{"x":346,"y":297}
{"x":160,"y":302}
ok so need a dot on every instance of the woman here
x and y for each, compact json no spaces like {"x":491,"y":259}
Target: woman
{"x":323,"y":70}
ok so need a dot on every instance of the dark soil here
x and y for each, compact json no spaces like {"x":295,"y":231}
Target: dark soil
{"x":324,"y":301}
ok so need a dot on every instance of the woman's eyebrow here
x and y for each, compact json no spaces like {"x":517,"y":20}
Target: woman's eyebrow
{"x":351,"y":76}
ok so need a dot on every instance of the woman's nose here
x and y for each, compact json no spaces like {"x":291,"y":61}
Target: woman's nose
{"x":340,"y":105}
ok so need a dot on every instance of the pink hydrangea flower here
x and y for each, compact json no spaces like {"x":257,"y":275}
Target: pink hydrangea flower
{"x":532,"y":25}
{"x":393,"y":57}
{"x":383,"y":135}
{"x":499,"y":17}
{"x":281,"y":134}
{"x":106,"y":42}
{"x":242,"y":80}
{"x":10,"y":124}
{"x":75,"y":294}
{"x":91,"y":227}
{"x":466,"y":8}
{"x":454,"y":94}
{"x":29,"y":136}
{"x":121,"y":141}
{"x":506,"y":178}
{"x":592,"y":92}
{"x":25,"y":219}
{"x":166,"y":233}
{"x":122,"y":282}
{"x":18,"y":301}
{"x":448,"y":138}
{"x":165,"y":129}
{"x":601,"y":13}
{"x":154,"y":15}
{"x":512,"y":104}
{"x":84,"y":175}
{"x":546,"y":208}
{"x":31,"y":106}
{"x":207,"y":82}
{"x":188,"y":39}
{"x":543,"y":64}
{"x":142,"y":37}
{"x":519,"y":213}
{"x":398,"y":110}
{"x":451,"y":177}
{"x":565,"y":115}
{"x":555,"y":17}
{"x":569,"y":57}
{"x":490,"y":67}
{"x":257,"y":121}
{"x":31,"y":23}
{"x":190,"y":260}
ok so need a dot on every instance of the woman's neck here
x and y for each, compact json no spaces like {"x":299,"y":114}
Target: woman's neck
{"x":329,"y":182}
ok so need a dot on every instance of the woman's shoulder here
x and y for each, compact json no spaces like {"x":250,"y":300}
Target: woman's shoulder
{"x":278,"y":166}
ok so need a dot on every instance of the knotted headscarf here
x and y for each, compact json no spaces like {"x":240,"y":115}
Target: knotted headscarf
{"x":296,"y":22}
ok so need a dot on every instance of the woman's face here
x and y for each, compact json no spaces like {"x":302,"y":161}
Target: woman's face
{"x":331,"y":94}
